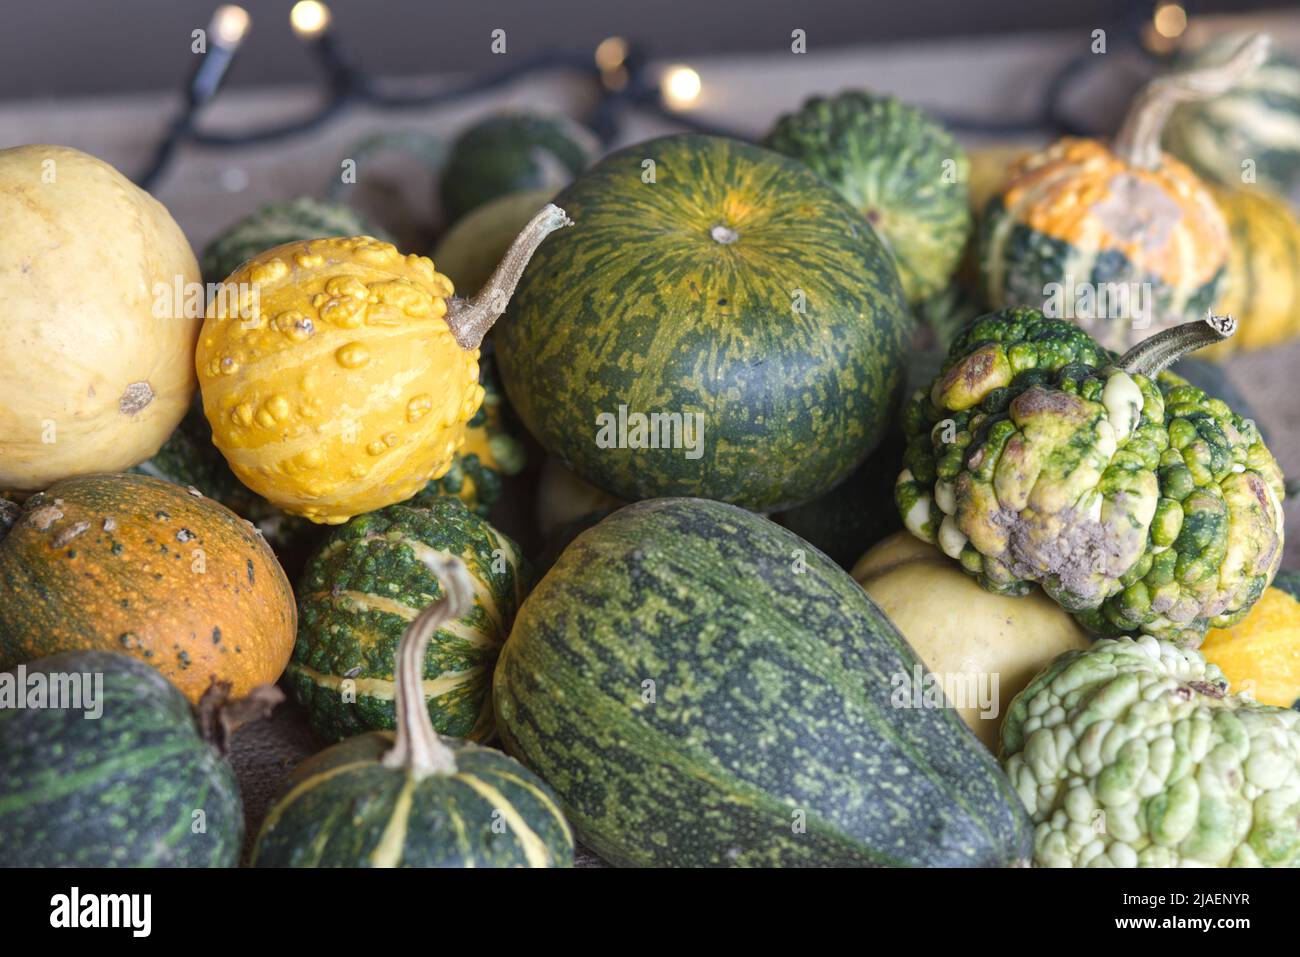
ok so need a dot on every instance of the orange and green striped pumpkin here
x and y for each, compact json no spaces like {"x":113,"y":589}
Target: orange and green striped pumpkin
{"x":133,"y":564}
{"x":712,"y":277}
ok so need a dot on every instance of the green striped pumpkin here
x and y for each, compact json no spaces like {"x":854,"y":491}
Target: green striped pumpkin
{"x":701,"y":688}
{"x":736,"y":286}
{"x":414,"y":799}
{"x":362,"y":588}
{"x":899,"y":167}
{"x":277,"y":223}
{"x":1257,"y":120}
{"x":136,"y":787}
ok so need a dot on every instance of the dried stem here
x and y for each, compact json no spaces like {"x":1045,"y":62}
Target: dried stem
{"x":1138,"y":140}
{"x":1152,"y":356}
{"x":417,"y":748}
{"x":470,"y":319}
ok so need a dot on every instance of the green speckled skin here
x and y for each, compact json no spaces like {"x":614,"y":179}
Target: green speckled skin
{"x":888,"y":160}
{"x":1168,"y":527}
{"x":641,"y":304}
{"x":117,"y":791}
{"x":512,"y":152}
{"x":277,"y":223}
{"x":360,"y":591}
{"x":772,"y":695}
{"x":337,"y":807}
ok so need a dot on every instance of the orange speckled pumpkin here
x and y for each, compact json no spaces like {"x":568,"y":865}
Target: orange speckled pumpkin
{"x":1120,"y":237}
{"x":339,"y":377}
{"x":133,"y":564}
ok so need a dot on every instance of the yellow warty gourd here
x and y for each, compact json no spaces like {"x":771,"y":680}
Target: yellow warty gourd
{"x":338,"y":374}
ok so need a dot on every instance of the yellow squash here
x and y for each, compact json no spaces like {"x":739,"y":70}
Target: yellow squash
{"x":338,"y":374}
{"x":984,"y":646}
{"x":1261,"y":653}
{"x":100,"y":304}
{"x":1263,"y":285}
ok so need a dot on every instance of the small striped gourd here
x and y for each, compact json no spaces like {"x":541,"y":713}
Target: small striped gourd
{"x":1119,"y":237}
{"x":365,"y":585}
{"x":701,"y":687}
{"x":1252,"y":128}
{"x":413,"y":799}
{"x":123,"y":789}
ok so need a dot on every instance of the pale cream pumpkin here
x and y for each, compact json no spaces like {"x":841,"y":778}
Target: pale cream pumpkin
{"x":95,"y":281}
{"x":338,"y":374}
{"x":962,"y":633}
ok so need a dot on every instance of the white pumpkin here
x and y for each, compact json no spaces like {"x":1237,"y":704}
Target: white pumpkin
{"x":98,"y":364}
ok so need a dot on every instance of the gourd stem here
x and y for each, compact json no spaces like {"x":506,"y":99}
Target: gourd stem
{"x":470,"y":319}
{"x":1152,"y":356}
{"x":417,"y":748}
{"x":1138,"y":140}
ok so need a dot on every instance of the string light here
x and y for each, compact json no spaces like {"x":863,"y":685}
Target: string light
{"x":681,"y":87}
{"x":229,"y":25}
{"x":309,"y":18}
{"x":611,"y":60}
{"x":1170,"y":20}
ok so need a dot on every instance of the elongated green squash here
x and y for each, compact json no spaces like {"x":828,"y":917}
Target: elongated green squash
{"x":700,"y":687}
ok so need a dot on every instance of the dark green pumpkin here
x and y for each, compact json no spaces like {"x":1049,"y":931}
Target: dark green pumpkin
{"x":736,"y":286}
{"x":899,"y":167}
{"x":277,"y":223}
{"x":700,"y":688}
{"x":512,"y":152}
{"x":361,"y":589}
{"x":413,"y":799}
{"x":135,"y":787}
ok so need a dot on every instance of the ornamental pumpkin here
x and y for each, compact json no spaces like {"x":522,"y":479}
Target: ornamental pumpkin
{"x":899,"y":167}
{"x":362,"y":588}
{"x":342,"y":378}
{"x":1263,"y":286}
{"x":1137,"y":501}
{"x":414,"y":799}
{"x":983,"y":648}
{"x":1254,"y":127}
{"x":130,"y":563}
{"x":1121,"y":237}
{"x":717,"y":314}
{"x":101,"y":309}
{"x":114,"y":778}
{"x":1261,"y":653}
{"x":1137,"y":753}
{"x":275,"y":224}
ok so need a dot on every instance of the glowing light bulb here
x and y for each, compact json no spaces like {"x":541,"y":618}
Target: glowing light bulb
{"x":309,"y":18}
{"x":1170,"y":20}
{"x":611,"y":53}
{"x":229,"y":25}
{"x":681,"y":87}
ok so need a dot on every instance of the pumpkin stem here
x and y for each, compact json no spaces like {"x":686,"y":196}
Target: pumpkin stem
{"x":418,"y":748}
{"x":470,"y":319}
{"x":1152,"y":356}
{"x":1138,"y":140}
{"x":219,"y":716}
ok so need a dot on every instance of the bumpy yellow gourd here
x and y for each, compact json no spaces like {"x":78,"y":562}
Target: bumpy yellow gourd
{"x":338,"y":374}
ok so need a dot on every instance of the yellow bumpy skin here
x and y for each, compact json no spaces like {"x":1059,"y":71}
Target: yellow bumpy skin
{"x":331,"y":378}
